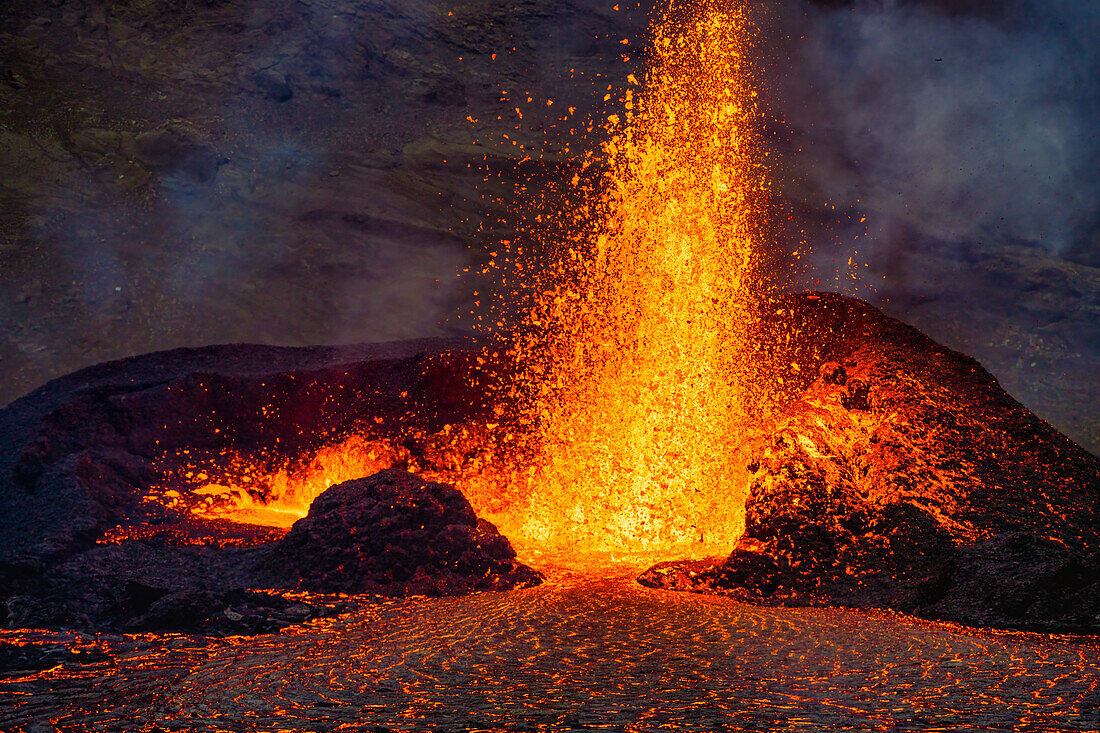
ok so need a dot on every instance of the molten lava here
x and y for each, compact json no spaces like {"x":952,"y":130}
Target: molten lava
{"x":276,"y":491}
{"x":246,"y":490}
{"x":636,"y":355}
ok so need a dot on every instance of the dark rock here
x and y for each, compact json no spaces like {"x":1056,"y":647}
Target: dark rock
{"x":174,"y":148}
{"x":396,"y":534}
{"x":699,"y":576}
{"x":857,"y":396}
{"x":184,"y":610}
{"x":24,"y":658}
{"x":78,"y":456}
{"x":446,"y":91}
{"x":139,"y":597}
{"x":224,"y":612}
{"x":833,"y":373}
{"x":754,"y":571}
{"x":150,"y":587}
{"x":62,"y":506}
{"x":913,"y":483}
{"x":274,"y":86}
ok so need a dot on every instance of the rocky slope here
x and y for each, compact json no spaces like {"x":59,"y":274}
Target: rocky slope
{"x":902,"y":476}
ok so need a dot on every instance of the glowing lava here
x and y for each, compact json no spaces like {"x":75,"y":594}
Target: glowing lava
{"x":636,"y":358}
{"x":252,"y":491}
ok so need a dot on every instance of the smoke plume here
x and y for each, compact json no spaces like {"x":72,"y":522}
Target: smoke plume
{"x":958,"y":121}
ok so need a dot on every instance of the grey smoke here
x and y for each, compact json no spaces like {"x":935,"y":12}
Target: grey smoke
{"x":958,"y":126}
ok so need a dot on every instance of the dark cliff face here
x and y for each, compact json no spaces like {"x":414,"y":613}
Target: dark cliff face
{"x":179,"y":173}
{"x":187,"y":173}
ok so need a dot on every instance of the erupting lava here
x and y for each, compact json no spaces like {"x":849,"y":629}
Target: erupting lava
{"x":632,"y":366}
{"x":248,"y":491}
{"x":636,"y":355}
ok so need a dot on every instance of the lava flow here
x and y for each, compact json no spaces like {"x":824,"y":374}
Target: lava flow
{"x":629,"y":380}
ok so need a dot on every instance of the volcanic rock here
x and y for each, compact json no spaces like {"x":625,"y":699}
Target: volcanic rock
{"x":902,"y":476}
{"x":396,"y":534}
{"x":83,"y":546}
{"x":78,"y":455}
{"x":151,"y":586}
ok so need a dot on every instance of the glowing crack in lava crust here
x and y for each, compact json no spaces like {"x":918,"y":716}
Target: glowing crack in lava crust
{"x":637,"y":353}
{"x":630,"y":373}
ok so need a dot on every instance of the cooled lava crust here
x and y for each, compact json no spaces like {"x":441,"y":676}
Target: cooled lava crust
{"x":900,"y":475}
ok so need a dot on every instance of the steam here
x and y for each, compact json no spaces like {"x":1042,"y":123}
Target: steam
{"x":958,"y":126}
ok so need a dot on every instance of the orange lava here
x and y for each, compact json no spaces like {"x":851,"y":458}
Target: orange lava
{"x":246,"y":490}
{"x":636,"y":357}
{"x":276,"y":491}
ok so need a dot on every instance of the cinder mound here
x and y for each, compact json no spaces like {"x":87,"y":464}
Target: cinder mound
{"x":80,"y":547}
{"x":395,"y":534}
{"x":902,"y":476}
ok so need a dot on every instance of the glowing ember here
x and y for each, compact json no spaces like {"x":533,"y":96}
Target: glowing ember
{"x":636,"y":356}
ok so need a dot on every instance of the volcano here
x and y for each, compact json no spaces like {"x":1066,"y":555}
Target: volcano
{"x":454,"y":534}
{"x":897,"y":474}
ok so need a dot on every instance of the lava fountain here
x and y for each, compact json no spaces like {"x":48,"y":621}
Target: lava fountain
{"x":630,"y":389}
{"x":636,"y":357}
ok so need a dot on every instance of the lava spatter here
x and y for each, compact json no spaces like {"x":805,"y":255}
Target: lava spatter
{"x":635,"y":358}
